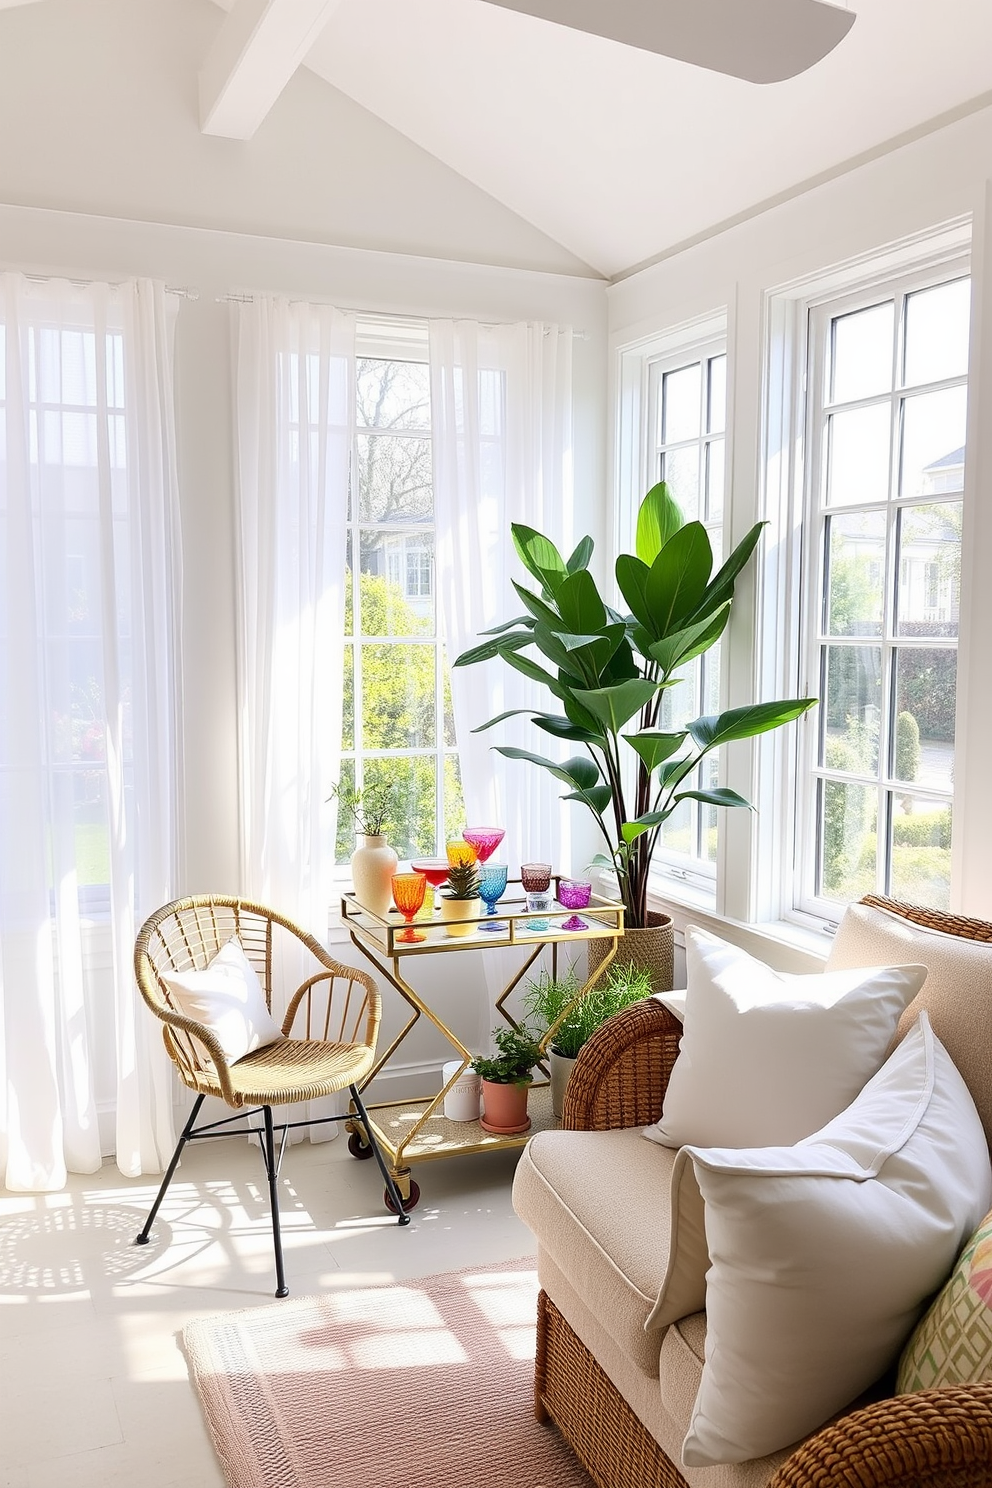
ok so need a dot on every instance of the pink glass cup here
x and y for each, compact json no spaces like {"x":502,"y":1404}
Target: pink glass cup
{"x":485,"y":840}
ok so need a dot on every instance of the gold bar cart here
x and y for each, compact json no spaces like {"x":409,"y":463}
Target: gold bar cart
{"x":412,"y":1131}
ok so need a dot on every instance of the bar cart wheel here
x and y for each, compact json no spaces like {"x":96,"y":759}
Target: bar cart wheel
{"x":359,"y":1147}
{"x":410,"y":1201}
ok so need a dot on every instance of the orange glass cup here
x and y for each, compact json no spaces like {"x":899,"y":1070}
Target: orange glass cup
{"x":408,"y":896}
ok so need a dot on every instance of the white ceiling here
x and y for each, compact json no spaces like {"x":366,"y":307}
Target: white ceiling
{"x":619,"y":155}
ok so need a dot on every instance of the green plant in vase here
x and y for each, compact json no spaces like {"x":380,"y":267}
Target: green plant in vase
{"x":547,"y":999}
{"x":460,"y":901}
{"x":608,"y":672}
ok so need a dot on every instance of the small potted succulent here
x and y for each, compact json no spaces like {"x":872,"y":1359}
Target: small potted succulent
{"x":460,"y":901}
{"x":547,"y":998}
{"x":506,"y":1078}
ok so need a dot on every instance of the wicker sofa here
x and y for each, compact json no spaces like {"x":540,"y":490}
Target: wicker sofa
{"x":622,"y":1397}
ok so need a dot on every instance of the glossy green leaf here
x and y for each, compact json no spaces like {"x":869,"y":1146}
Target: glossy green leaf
{"x":508,"y":625}
{"x":539,"y":610}
{"x":580,"y":773}
{"x":692,"y":640}
{"x":615,"y":706}
{"x":678,"y":578}
{"x":563,"y":728}
{"x":633,"y":578}
{"x":719,"y":797}
{"x":579,"y":603}
{"x":745,"y":723}
{"x":499,"y":646}
{"x":581,"y":556}
{"x":721,"y":588}
{"x":597,"y":798}
{"x":510,"y":713}
{"x":539,"y":556}
{"x":658,"y":520}
{"x":653,"y":748}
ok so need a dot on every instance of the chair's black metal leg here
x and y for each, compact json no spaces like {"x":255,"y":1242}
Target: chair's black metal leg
{"x":142,"y":1238}
{"x":272,"y":1169}
{"x":387,"y":1177}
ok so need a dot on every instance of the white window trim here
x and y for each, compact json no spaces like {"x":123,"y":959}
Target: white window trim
{"x":664,"y":351}
{"x":940,"y":253}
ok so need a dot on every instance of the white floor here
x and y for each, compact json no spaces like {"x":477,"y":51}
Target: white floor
{"x":93,"y":1386}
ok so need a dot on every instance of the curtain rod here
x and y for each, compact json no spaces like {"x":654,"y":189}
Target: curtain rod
{"x":237,"y":298}
{"x":181,"y":291}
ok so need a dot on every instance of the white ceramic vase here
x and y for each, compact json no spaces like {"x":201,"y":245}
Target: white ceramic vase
{"x":561,"y":1066}
{"x":372,"y":867}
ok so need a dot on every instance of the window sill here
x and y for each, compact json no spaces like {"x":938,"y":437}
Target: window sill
{"x":784,"y":945}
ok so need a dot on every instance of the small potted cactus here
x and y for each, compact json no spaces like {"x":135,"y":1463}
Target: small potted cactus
{"x":460,"y":900}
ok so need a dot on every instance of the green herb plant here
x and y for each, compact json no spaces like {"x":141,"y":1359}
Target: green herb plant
{"x":546,"y":998}
{"x":519,"y":1051}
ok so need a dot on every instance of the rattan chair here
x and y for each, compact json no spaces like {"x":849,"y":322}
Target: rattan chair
{"x":335,"y":1012}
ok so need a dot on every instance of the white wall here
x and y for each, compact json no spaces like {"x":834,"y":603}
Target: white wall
{"x":944,"y":176}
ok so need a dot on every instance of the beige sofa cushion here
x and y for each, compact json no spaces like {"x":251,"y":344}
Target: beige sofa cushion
{"x":598,"y":1203}
{"x":957,"y":992}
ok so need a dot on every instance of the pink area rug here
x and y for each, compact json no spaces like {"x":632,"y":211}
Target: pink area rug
{"x":419,"y":1384}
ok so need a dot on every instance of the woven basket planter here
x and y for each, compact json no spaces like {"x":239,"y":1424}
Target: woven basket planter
{"x":651,"y":949}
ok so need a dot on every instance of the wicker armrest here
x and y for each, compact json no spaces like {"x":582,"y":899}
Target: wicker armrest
{"x":933,"y":1439}
{"x":621,"y":1074}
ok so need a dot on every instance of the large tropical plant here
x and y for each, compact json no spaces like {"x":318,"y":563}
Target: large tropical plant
{"x":609,"y":672}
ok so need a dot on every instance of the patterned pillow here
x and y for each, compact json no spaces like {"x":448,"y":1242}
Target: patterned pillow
{"x":952,"y":1344}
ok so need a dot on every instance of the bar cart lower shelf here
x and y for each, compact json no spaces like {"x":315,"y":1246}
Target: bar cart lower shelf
{"x":438,"y":1137}
{"x":417,"y":1130}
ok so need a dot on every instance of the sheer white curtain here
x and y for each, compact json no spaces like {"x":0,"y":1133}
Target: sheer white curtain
{"x":295,"y":397}
{"x":89,"y":756}
{"x":501,"y":399}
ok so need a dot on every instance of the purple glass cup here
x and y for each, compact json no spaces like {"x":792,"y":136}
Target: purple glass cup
{"x":574,"y":894}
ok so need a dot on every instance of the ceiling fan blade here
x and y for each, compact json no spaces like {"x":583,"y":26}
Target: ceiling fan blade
{"x":762,"y":41}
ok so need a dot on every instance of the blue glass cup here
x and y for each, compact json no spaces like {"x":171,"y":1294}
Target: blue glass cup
{"x":492,"y":882}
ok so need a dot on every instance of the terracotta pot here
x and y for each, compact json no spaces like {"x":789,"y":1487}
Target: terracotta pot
{"x":373,"y":864}
{"x":561,"y":1066}
{"x":652,"y":949}
{"x":460,"y":909}
{"x":505,"y":1108}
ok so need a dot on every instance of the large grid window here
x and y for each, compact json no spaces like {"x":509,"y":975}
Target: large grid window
{"x":398,"y":724}
{"x":688,"y":417}
{"x":886,"y":409}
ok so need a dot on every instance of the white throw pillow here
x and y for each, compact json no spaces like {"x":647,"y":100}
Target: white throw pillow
{"x":768,"y":1057}
{"x":227,"y":997}
{"x":823,"y":1254}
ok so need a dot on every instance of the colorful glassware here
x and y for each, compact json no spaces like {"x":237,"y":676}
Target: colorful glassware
{"x":536,"y":880}
{"x":485,"y":840}
{"x":492,"y":882}
{"x":435,"y":870}
{"x":574,"y":894}
{"x":460,"y":852}
{"x":408,"y":896}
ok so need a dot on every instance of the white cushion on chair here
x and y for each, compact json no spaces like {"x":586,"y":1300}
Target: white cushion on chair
{"x":226,"y":997}
{"x":769,"y":1057}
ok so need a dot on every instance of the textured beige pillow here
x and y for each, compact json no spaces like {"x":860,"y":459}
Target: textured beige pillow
{"x":957,"y":993}
{"x":822,"y":1254}
{"x":953,"y":1343}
